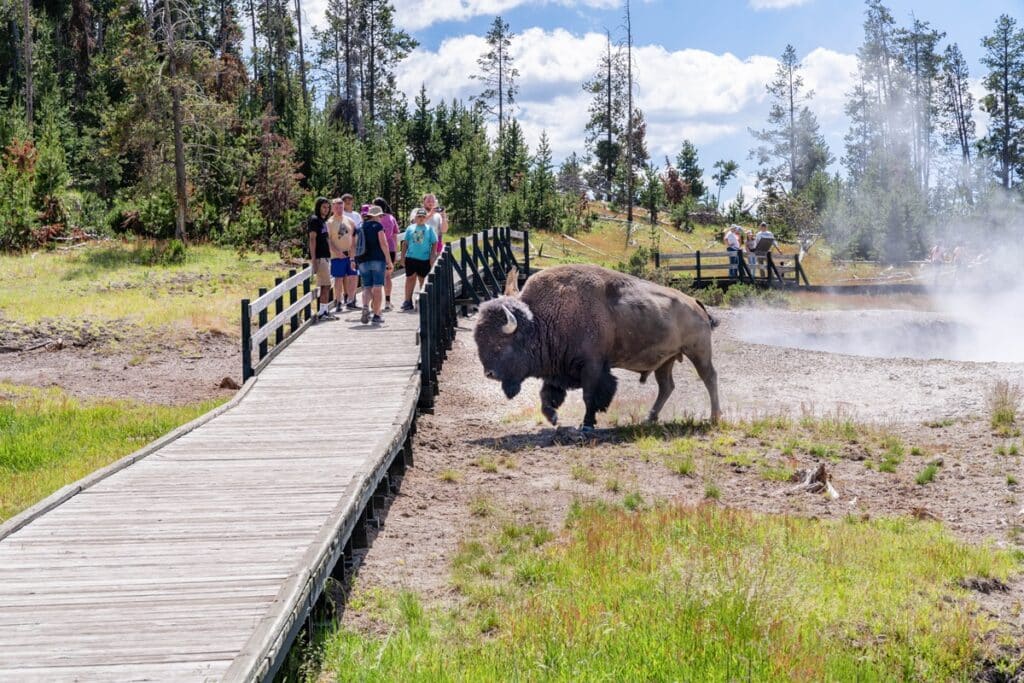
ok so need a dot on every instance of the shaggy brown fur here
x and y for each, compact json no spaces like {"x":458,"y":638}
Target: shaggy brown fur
{"x":573,"y":323}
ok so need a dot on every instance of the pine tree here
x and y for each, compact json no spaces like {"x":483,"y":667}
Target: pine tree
{"x":498,"y":74}
{"x":570,"y":176}
{"x":689,"y":169}
{"x":1004,"y":99}
{"x":791,"y":149}
{"x":607,"y":116}
{"x":724,"y":172}
{"x":542,"y":203}
{"x":920,"y":61}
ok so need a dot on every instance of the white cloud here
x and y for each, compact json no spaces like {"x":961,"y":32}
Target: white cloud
{"x":831,"y":76}
{"x":776,"y":4}
{"x":710,"y":99}
{"x":414,"y":15}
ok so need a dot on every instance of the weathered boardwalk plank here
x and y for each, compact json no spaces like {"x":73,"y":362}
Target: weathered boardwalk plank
{"x":196,"y":562}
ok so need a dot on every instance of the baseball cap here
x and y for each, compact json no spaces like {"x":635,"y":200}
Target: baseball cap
{"x":364,"y":209}
{"x":421,"y":211}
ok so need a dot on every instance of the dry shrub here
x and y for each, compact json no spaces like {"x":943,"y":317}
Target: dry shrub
{"x":1003,"y":401}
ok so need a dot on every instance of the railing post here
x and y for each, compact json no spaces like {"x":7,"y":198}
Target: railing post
{"x":293,"y":296}
{"x":305,"y":290}
{"x":278,"y":310}
{"x":426,"y":400}
{"x":657,"y":259}
{"x":526,"y":252}
{"x":489,"y":281}
{"x":246,"y":342}
{"x":263,"y":321}
{"x":697,"y":254}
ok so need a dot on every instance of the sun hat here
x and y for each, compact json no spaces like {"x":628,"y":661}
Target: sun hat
{"x":373,"y":211}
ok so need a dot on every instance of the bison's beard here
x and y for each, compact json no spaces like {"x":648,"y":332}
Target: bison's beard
{"x":511,"y":387}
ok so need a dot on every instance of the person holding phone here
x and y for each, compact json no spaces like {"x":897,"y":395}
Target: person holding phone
{"x":437,"y":219}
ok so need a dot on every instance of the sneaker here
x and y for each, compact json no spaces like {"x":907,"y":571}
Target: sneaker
{"x":366,"y":316}
{"x":353,"y":306}
{"x":378,"y":320}
{"x":387,"y":306}
{"x":407,"y":306}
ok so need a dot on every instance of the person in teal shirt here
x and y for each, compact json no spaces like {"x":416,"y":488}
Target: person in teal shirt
{"x":418,"y":254}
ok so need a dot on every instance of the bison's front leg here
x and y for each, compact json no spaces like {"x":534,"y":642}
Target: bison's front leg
{"x":599,"y":386}
{"x":551,"y":398}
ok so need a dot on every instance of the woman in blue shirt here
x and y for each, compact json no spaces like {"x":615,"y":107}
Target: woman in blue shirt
{"x":418,"y":254}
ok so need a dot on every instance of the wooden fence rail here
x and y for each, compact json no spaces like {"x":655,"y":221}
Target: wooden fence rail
{"x":256,"y":340}
{"x":730,"y":266}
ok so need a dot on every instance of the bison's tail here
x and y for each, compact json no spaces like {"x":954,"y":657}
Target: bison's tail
{"x":711,"y":319}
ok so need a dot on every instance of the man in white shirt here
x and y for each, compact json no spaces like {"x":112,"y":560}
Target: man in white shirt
{"x":732,"y":245}
{"x":351,"y":280}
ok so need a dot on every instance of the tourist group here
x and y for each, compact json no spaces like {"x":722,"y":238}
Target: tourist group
{"x":346,"y":246}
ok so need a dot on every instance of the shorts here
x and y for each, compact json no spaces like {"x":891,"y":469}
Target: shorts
{"x":371,"y":273}
{"x":343,"y":267}
{"x":415,"y":266}
{"x":322,"y":268}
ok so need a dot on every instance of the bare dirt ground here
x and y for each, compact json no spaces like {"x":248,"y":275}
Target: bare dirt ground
{"x":481,"y":459}
{"x":90,"y":360}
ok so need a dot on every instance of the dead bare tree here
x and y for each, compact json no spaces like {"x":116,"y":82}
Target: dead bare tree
{"x":27,"y":46}
{"x":179,"y":145}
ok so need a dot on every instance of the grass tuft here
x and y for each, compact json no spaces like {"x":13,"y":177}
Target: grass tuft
{"x":1003,"y":400}
{"x":927,"y":475}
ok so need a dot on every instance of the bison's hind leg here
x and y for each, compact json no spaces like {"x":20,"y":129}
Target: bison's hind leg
{"x":599,"y":385}
{"x":551,"y":398}
{"x":644,"y":375}
{"x":701,"y":360}
{"x":666,"y":385}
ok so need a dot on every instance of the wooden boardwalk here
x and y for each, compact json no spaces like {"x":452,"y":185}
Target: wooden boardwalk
{"x":199,"y":560}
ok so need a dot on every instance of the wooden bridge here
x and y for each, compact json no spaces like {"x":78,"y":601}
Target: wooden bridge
{"x":201,"y":556}
{"x":730,"y":267}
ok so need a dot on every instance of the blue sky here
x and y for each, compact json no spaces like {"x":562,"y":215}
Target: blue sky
{"x":701,"y":66}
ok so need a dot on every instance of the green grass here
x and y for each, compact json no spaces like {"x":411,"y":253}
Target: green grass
{"x":927,"y":475}
{"x":1004,"y":399}
{"x":111,"y":282}
{"x":50,"y":439}
{"x":691,"y":593}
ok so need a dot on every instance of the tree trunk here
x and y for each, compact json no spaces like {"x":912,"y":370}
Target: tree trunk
{"x":629,"y":124}
{"x":255,"y":60}
{"x":1005,"y":156}
{"x":337,"y":67}
{"x":609,"y":174}
{"x":302,"y":58}
{"x":179,"y":145}
{"x":792,"y":133}
{"x":27,"y":38}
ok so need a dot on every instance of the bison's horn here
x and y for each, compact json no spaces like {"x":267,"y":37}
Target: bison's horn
{"x":510,"y":326}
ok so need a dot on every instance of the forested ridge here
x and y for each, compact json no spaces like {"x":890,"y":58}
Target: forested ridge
{"x":159,"y":118}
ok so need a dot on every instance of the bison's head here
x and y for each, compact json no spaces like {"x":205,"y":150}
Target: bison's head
{"x":505,"y":340}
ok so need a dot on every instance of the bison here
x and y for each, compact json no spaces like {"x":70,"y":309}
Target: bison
{"x":572,"y":324}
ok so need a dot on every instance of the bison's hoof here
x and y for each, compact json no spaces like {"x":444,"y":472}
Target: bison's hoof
{"x":652,"y":418}
{"x":587,"y":429}
{"x":551,"y":415}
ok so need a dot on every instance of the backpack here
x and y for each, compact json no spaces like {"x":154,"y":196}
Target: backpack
{"x":360,"y":249}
